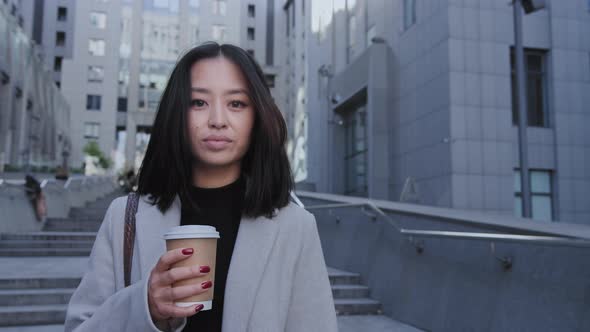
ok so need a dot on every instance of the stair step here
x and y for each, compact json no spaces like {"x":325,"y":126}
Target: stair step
{"x":25,"y":252}
{"x":74,"y":222}
{"x":88,"y":236}
{"x":346,"y":278}
{"x":349,"y":291}
{"x":71,"y":228}
{"x":23,"y":297}
{"x":46,"y":244}
{"x":33,"y":315}
{"x":364,"y":306}
{"x":39,"y":283}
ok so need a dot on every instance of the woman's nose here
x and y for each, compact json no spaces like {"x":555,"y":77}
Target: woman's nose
{"x":217,"y":118}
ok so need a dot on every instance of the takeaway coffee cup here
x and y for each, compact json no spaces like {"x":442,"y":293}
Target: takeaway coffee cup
{"x":203,"y":240}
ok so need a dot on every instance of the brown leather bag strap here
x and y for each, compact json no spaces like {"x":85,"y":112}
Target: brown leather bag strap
{"x":128,"y":241}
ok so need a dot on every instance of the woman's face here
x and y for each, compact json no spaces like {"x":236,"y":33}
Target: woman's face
{"x":221,"y":115}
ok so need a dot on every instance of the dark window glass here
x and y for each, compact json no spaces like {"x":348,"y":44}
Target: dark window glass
{"x":535,"y":87}
{"x":57,"y":63}
{"x":62,"y":13}
{"x":60,"y":38}
{"x":270,"y":80}
{"x":355,"y":159}
{"x":122,"y":104}
{"x":93,"y":102}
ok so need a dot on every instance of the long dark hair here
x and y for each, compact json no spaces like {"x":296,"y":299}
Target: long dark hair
{"x":166,"y":170}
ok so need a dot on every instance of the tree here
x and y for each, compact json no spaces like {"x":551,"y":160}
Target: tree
{"x":92,"y":149}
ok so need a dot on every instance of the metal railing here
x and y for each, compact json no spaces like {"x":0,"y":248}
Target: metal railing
{"x":44,"y":182}
{"x":412,"y":234}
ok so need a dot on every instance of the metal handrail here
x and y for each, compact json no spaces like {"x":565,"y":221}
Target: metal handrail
{"x":411,"y":233}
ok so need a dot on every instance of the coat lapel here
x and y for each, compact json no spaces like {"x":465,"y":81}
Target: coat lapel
{"x":252,"y":249}
{"x":254,"y":243}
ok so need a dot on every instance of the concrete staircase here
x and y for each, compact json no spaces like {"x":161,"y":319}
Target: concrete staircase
{"x":350,"y":297}
{"x":73,"y":236}
{"x":39,"y":301}
{"x":43,"y":300}
{"x":35,"y":301}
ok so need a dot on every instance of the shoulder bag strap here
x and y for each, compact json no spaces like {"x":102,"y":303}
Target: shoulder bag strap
{"x":130,"y":210}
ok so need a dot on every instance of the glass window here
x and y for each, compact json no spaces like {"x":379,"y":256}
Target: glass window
{"x":219,"y":32}
{"x":93,"y":102}
{"x":95,"y":73}
{"x":251,"y":11}
{"x":250,"y":33}
{"x":409,"y":13}
{"x":355,"y":159}
{"x":57,"y":63}
{"x":98,"y":20}
{"x":122,"y":104}
{"x":91,"y":130}
{"x":62,"y":13}
{"x":96,"y":47}
{"x":270,"y":80}
{"x":351,"y":35}
{"x":194,"y":3}
{"x":219,"y":7}
{"x":60,"y":38}
{"x":535,"y":87}
{"x":541,"y":195}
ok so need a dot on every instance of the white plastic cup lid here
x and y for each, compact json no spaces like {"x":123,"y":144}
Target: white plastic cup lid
{"x":191,"y":232}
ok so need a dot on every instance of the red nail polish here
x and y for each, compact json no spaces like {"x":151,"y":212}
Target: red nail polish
{"x":199,"y":307}
{"x":206,"y":284}
{"x":187,"y":251}
{"x":204,"y":269}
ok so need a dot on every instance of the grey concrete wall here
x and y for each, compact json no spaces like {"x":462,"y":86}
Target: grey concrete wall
{"x":460,"y":285}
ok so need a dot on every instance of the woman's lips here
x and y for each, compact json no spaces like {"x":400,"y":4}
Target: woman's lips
{"x":216,"y":144}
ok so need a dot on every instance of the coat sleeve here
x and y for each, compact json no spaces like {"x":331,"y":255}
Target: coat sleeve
{"x":312,"y":305}
{"x":96,"y":305}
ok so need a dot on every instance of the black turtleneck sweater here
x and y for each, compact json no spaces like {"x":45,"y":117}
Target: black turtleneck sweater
{"x":222,"y":208}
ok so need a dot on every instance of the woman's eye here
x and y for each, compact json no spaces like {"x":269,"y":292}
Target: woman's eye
{"x":197,"y":103}
{"x":238,"y":104}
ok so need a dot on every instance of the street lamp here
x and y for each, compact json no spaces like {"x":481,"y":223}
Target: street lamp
{"x":529,"y":6}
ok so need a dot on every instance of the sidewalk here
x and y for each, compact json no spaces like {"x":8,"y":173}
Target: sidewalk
{"x":345,"y":324}
{"x":371,"y":323}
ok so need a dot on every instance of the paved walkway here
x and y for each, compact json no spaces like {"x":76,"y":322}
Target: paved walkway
{"x":345,"y":324}
{"x":371,"y":323}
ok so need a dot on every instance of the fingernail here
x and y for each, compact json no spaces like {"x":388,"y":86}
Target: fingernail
{"x":206,"y":284}
{"x":199,"y":307}
{"x":204,"y":269}
{"x":187,"y":251}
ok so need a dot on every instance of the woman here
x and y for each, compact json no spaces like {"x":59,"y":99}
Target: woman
{"x":216,"y":157}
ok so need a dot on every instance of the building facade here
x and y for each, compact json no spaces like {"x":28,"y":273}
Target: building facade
{"x":412,"y":100}
{"x":34,"y":115}
{"x":124,"y":50}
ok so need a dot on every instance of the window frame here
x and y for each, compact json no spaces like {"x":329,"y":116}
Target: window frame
{"x":544,"y":74}
{"x":550,"y":194}
{"x":93,"y":102}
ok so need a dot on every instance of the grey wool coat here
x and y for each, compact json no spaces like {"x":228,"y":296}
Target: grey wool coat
{"x":277,"y":279}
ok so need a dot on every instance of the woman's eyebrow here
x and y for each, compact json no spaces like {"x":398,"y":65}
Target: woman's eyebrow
{"x":228,"y":92}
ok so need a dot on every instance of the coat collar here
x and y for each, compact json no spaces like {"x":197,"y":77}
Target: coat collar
{"x":254,"y":243}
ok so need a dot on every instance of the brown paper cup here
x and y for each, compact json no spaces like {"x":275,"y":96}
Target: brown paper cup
{"x":203,"y":239}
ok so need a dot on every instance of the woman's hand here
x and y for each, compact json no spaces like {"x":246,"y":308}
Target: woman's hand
{"x":161,"y":294}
